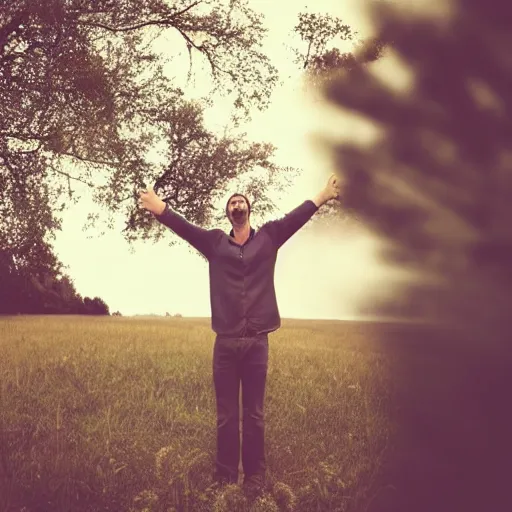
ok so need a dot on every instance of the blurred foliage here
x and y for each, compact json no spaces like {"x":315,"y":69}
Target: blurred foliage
{"x":437,"y":182}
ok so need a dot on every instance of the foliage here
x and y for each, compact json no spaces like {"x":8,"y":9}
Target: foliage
{"x":201,"y":168}
{"x":317,"y":31}
{"x":85,"y":101}
{"x":84,"y":98}
{"x":323,"y":36}
{"x":41,"y":287}
{"x":436,"y":182}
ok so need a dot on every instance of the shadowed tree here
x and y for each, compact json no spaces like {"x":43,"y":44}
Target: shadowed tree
{"x":437,"y":185}
{"x":37,"y":285}
{"x":95,"y":306}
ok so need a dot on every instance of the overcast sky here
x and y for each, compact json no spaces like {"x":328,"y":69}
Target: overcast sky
{"x":320,"y":273}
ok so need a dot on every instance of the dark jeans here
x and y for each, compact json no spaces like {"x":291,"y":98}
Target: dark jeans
{"x":238,"y":360}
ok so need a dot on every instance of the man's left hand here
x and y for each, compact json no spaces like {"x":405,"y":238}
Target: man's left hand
{"x":332,"y":189}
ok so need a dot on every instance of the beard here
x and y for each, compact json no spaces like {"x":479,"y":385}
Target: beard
{"x":239,"y":216}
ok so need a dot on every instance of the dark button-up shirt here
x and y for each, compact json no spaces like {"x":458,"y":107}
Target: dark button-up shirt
{"x":242,"y":294}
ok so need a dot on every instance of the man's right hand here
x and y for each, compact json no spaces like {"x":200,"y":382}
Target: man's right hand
{"x":151,"y":202}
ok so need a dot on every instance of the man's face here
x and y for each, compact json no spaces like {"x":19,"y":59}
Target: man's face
{"x":238,"y":210}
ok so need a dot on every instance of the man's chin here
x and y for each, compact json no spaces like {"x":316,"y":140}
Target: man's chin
{"x":240,"y":220}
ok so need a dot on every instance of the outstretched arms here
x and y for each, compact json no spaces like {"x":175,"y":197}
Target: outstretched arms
{"x":282,"y":229}
{"x":200,"y":238}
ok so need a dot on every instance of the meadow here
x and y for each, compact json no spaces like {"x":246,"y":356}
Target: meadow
{"x":118,"y":414}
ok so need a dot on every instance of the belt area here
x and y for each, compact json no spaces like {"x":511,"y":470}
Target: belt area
{"x":245,"y":333}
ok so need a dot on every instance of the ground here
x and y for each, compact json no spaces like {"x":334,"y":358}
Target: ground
{"x":114,"y":413}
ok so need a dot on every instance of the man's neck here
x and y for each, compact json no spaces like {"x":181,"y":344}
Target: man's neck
{"x":241,"y":233}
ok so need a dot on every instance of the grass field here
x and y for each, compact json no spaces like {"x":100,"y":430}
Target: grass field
{"x":118,"y":414}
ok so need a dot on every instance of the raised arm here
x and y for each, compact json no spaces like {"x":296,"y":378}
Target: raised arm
{"x":199,"y":238}
{"x":282,"y":229}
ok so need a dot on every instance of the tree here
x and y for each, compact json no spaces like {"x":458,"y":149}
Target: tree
{"x":318,"y":32}
{"x":322,"y":36}
{"x":39,"y":286}
{"x":95,"y":306}
{"x":200,"y":167}
{"x":23,"y":269}
{"x":83,"y":99}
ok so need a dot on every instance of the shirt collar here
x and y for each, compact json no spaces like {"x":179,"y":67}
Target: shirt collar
{"x":251,"y":234}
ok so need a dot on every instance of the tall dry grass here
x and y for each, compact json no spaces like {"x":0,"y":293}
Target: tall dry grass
{"x":119,"y":414}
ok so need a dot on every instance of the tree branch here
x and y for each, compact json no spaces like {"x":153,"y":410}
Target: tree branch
{"x":203,"y":50}
{"x":31,"y":150}
{"x":90,"y":160}
{"x":42,"y":139}
{"x":125,"y":29}
{"x":19,"y":136}
{"x":306,"y":62}
{"x":69,"y":177}
{"x":164,"y":21}
{"x":191,"y":6}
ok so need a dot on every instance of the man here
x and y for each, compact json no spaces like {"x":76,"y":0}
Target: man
{"x":244,"y":311}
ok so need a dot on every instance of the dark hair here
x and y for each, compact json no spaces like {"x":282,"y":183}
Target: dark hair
{"x":246,"y":200}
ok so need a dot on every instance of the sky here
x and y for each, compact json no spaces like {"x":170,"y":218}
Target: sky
{"x":321,"y":273}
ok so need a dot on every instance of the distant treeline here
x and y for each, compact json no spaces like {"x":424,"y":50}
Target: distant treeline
{"x":23,"y":291}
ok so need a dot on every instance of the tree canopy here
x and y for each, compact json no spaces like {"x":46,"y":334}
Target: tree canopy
{"x":83,"y":97}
